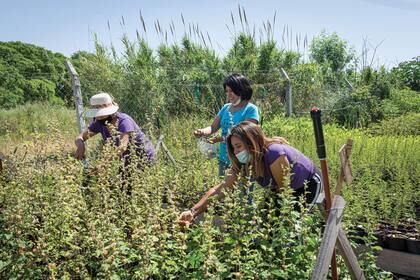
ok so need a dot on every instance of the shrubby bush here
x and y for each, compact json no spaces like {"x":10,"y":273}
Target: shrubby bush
{"x":59,"y":220}
{"x":408,"y":124}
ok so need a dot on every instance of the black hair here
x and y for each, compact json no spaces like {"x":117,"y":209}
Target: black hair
{"x":239,"y":85}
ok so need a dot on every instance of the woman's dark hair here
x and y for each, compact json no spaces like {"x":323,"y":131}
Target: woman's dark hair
{"x":239,"y":85}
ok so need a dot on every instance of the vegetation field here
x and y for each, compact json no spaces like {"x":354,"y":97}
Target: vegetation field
{"x":59,"y":221}
{"x":65,"y":219}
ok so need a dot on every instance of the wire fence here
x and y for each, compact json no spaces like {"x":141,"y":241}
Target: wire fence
{"x":168,"y":92}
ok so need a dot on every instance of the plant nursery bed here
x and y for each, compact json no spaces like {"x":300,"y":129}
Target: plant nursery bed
{"x":403,"y":263}
{"x":404,"y":237}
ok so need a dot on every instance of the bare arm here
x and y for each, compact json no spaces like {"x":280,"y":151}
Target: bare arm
{"x":252,"y":120}
{"x":210,"y":129}
{"x":85,"y":135}
{"x":187,"y":216}
{"x":124,"y":139}
{"x":281,"y":171}
{"x":80,"y":143}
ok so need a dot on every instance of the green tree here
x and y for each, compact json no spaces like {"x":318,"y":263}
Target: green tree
{"x":408,"y":73}
{"x":31,"y":73}
{"x":331,"y":51}
{"x":243,"y":56}
{"x":39,"y":90}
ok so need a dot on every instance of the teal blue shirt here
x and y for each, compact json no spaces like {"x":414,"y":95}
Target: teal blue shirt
{"x":228,"y":119}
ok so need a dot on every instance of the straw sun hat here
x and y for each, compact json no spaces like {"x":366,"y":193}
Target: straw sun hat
{"x":101,"y":105}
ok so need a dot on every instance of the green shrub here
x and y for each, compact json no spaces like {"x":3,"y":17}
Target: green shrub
{"x":408,"y":124}
{"x":59,"y":221}
{"x":401,"y":102}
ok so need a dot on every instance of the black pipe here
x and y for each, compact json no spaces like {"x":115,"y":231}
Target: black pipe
{"x":319,"y":135}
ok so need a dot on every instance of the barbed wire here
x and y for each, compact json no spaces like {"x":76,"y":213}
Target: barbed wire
{"x":161,"y":83}
{"x":331,"y":110}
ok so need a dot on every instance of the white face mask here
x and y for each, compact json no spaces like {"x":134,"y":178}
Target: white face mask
{"x":237,"y":102}
{"x":243,"y":157}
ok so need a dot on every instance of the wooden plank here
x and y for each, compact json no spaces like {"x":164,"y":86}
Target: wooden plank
{"x":345,"y":170}
{"x":350,"y":259}
{"x":340,"y":182}
{"x":329,"y":239}
{"x":399,"y":262}
{"x":344,"y":246}
{"x":345,"y":163}
{"x":168,"y":153}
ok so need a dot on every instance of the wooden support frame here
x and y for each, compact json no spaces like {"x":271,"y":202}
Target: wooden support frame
{"x":160,"y":143}
{"x":345,"y":170}
{"x":329,"y":239}
{"x":344,"y":247}
{"x":333,"y":230}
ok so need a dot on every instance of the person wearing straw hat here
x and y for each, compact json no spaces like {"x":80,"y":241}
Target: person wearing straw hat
{"x":273,"y":163}
{"x":105,"y":114}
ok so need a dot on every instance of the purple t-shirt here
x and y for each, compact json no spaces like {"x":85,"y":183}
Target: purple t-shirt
{"x":126,"y":124}
{"x":302,"y":167}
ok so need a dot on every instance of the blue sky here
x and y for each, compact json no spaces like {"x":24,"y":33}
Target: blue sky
{"x":67,"y":26}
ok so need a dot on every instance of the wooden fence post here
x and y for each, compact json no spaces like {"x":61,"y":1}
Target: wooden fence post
{"x":77,"y":95}
{"x":289,"y":101}
{"x":345,"y":170}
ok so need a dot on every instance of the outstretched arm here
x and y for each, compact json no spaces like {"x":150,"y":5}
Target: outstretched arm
{"x":80,"y":143}
{"x":188,"y":216}
{"x":208,"y":130}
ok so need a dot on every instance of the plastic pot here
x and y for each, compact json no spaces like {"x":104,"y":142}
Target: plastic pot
{"x":396,"y":243}
{"x":413,"y":246}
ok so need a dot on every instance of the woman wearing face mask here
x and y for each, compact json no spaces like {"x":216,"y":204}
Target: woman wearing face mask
{"x":239,"y":92}
{"x":105,"y":113}
{"x":272,"y":162}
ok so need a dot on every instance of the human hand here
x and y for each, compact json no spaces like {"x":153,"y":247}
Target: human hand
{"x":94,"y":171}
{"x":98,"y":169}
{"x":199,"y":133}
{"x":186,"y":218}
{"x":80,"y":151}
{"x":215,"y":139}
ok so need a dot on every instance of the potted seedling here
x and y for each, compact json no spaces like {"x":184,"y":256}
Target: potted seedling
{"x":413,"y":242}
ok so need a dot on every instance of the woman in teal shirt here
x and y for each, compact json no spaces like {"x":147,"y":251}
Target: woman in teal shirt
{"x":239,"y":92}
